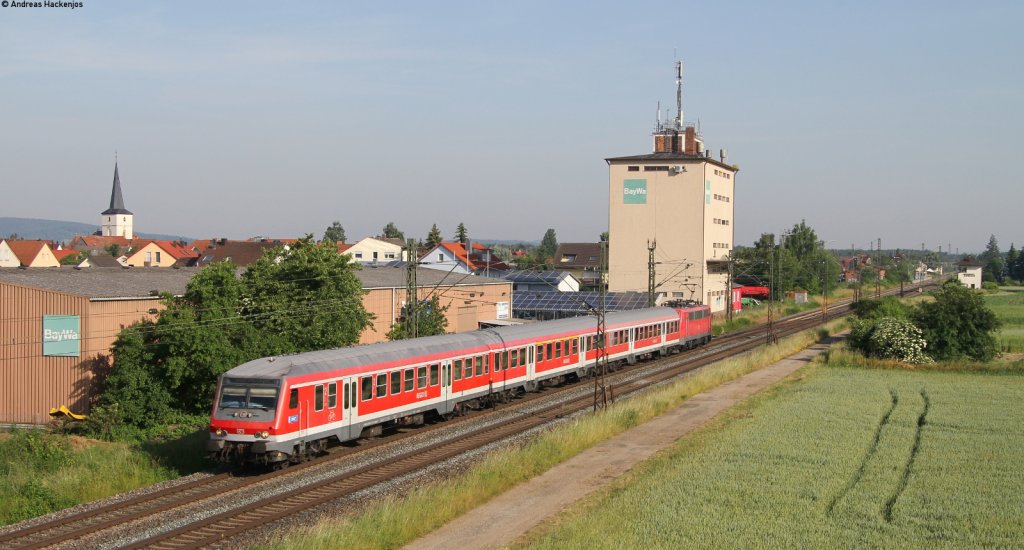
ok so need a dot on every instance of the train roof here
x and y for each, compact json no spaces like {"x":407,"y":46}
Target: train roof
{"x":356,"y":356}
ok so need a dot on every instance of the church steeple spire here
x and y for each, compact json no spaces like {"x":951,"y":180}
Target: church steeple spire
{"x":116,"y":199}
{"x":116,"y":221}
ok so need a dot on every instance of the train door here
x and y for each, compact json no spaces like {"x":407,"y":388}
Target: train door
{"x":446,"y":384}
{"x":348,"y":407}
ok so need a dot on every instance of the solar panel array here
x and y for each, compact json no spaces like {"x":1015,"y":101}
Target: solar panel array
{"x":576,"y":302}
{"x":551,"y":277}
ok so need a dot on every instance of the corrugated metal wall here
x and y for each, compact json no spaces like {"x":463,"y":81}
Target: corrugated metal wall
{"x":31,"y":383}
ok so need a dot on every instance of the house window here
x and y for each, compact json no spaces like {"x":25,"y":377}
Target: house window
{"x":633,"y":168}
{"x":158,"y":256}
{"x":149,"y":257}
{"x":440,"y":257}
{"x":568,"y":258}
{"x":359,"y":255}
{"x":375,"y":256}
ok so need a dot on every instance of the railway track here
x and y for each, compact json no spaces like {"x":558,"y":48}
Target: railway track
{"x":230,"y":523}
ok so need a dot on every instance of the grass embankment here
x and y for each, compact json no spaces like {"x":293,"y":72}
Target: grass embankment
{"x":1008,"y":305}
{"x":396,"y":521}
{"x":843,"y":457}
{"x":42,"y":473}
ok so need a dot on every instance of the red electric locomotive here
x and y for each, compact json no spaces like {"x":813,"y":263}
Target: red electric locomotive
{"x":285,"y":408}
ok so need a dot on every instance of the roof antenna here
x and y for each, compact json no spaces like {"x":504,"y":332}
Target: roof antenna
{"x":657,"y":125}
{"x":679,"y":94}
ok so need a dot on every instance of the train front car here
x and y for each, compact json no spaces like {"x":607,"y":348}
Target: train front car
{"x":244,"y":421}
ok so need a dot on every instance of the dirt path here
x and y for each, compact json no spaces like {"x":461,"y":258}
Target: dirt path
{"x":499,"y":522}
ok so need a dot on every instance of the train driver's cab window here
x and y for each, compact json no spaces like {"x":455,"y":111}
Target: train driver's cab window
{"x":293,"y":398}
{"x":367,"y":389}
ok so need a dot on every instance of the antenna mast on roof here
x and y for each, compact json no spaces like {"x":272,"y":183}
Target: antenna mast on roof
{"x":679,"y":95}
{"x":657,"y":124}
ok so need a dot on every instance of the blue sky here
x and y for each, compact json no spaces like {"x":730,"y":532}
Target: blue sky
{"x":870,"y":119}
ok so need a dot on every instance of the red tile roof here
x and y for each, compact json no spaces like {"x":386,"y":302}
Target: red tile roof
{"x":342,"y":247}
{"x":478,"y":259}
{"x":97,"y":241}
{"x":26,"y":251}
{"x":175,"y":249}
{"x":61,"y":254}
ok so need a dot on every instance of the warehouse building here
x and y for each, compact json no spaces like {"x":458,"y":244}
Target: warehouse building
{"x":57,"y":325}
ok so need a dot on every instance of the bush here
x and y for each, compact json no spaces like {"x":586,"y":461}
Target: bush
{"x":990,"y":286}
{"x":957,"y":324}
{"x":898,"y":339}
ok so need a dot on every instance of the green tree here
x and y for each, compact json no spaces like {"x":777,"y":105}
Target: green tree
{"x":957,"y":324}
{"x":429,"y":320}
{"x":802,"y":241}
{"x":1012,"y":263}
{"x":113,"y":250}
{"x":993,"y":260}
{"x":548,"y":246}
{"x":461,"y":235}
{"x":74,"y":259}
{"x":335,"y":233}
{"x":291,"y":300}
{"x":604,"y":237}
{"x":391,"y":231}
{"x":308,"y":294}
{"x":434,"y":237}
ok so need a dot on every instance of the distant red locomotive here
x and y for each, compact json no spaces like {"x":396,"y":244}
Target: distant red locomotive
{"x":286,"y":408}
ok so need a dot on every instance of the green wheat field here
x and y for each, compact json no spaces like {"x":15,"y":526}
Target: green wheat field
{"x":843,"y":457}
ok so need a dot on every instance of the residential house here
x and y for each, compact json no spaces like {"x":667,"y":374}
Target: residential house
{"x":583,"y":261}
{"x":377,"y":250}
{"x":526,"y":281}
{"x":20,"y":253}
{"x":968,"y":272}
{"x":452,"y":256}
{"x":241,"y":253}
{"x":155,"y":253}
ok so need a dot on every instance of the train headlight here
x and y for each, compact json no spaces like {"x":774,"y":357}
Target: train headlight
{"x":265,"y":434}
{"x":220,"y":432}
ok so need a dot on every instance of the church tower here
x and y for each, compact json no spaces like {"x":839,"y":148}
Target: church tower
{"x":116,"y":221}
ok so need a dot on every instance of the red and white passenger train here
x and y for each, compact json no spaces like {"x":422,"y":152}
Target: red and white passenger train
{"x":286,"y":408}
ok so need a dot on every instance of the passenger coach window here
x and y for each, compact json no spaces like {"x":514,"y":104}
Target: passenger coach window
{"x":332,"y":395}
{"x":293,"y":398}
{"x":575,"y":346}
{"x":367,"y":382}
{"x":396,"y":382}
{"x":421,"y":377}
{"x":382,"y":385}
{"x":540,"y":353}
{"x":457,"y":369}
{"x":433,"y":374}
{"x":549,"y":351}
{"x":318,"y":397}
{"x":469,"y":367}
{"x":558,"y":350}
{"x":408,"y":380}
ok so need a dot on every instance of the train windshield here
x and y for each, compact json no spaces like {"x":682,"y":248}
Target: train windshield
{"x":248,"y":394}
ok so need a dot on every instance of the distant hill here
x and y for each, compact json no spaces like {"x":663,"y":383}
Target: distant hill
{"x":61,"y":231}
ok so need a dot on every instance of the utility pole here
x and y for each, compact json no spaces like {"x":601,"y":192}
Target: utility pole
{"x":769,"y":335}
{"x":601,"y":340}
{"x":728,"y":291}
{"x":411,"y":291}
{"x":651,"y":245}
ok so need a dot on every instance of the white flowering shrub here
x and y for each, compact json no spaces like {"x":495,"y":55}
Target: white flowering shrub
{"x":899,"y":339}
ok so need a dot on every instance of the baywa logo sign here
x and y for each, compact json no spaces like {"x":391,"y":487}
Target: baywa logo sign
{"x":634,"y":192}
{"x":61,"y":335}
